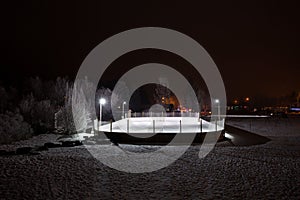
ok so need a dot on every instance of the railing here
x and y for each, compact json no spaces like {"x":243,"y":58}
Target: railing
{"x":155,"y":122}
{"x":161,"y":114}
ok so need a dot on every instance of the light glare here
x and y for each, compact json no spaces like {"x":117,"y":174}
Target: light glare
{"x":102,"y":101}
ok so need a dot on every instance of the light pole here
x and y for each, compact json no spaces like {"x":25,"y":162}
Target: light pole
{"x":101,"y":102}
{"x":217,"y":101}
{"x":123,"y":109}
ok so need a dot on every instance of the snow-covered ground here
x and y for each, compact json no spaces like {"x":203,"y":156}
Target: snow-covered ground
{"x":268,"y":171}
{"x":270,"y":126}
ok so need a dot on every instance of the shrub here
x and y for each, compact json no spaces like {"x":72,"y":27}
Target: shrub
{"x":40,"y":114}
{"x":43,"y":116}
{"x":13,"y":128}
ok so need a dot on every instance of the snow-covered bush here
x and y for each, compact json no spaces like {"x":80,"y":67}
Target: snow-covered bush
{"x":40,"y":114}
{"x":13,"y":128}
{"x":43,"y":116}
{"x":26,"y":107}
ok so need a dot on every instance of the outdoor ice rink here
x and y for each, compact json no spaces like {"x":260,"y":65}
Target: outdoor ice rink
{"x":163,"y":125}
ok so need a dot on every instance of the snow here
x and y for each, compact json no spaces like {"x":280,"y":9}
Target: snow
{"x":268,"y":171}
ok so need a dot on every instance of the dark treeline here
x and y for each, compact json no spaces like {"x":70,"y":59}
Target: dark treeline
{"x":30,"y":109}
{"x":43,"y":106}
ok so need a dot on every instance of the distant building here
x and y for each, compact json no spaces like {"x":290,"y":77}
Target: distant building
{"x":240,"y":106}
{"x":295,"y":107}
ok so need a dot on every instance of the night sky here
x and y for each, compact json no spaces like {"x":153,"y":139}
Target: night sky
{"x":255,"y":44}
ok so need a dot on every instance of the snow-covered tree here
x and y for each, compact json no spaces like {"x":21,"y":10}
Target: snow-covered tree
{"x":77,"y":108}
{"x":36,"y":87}
{"x":162,"y":92}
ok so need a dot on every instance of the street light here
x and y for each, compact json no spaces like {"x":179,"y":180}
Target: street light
{"x":101,"y":102}
{"x":123,"y":110}
{"x":217,"y":101}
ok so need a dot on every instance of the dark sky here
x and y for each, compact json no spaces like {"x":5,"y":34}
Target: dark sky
{"x":255,"y":44}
